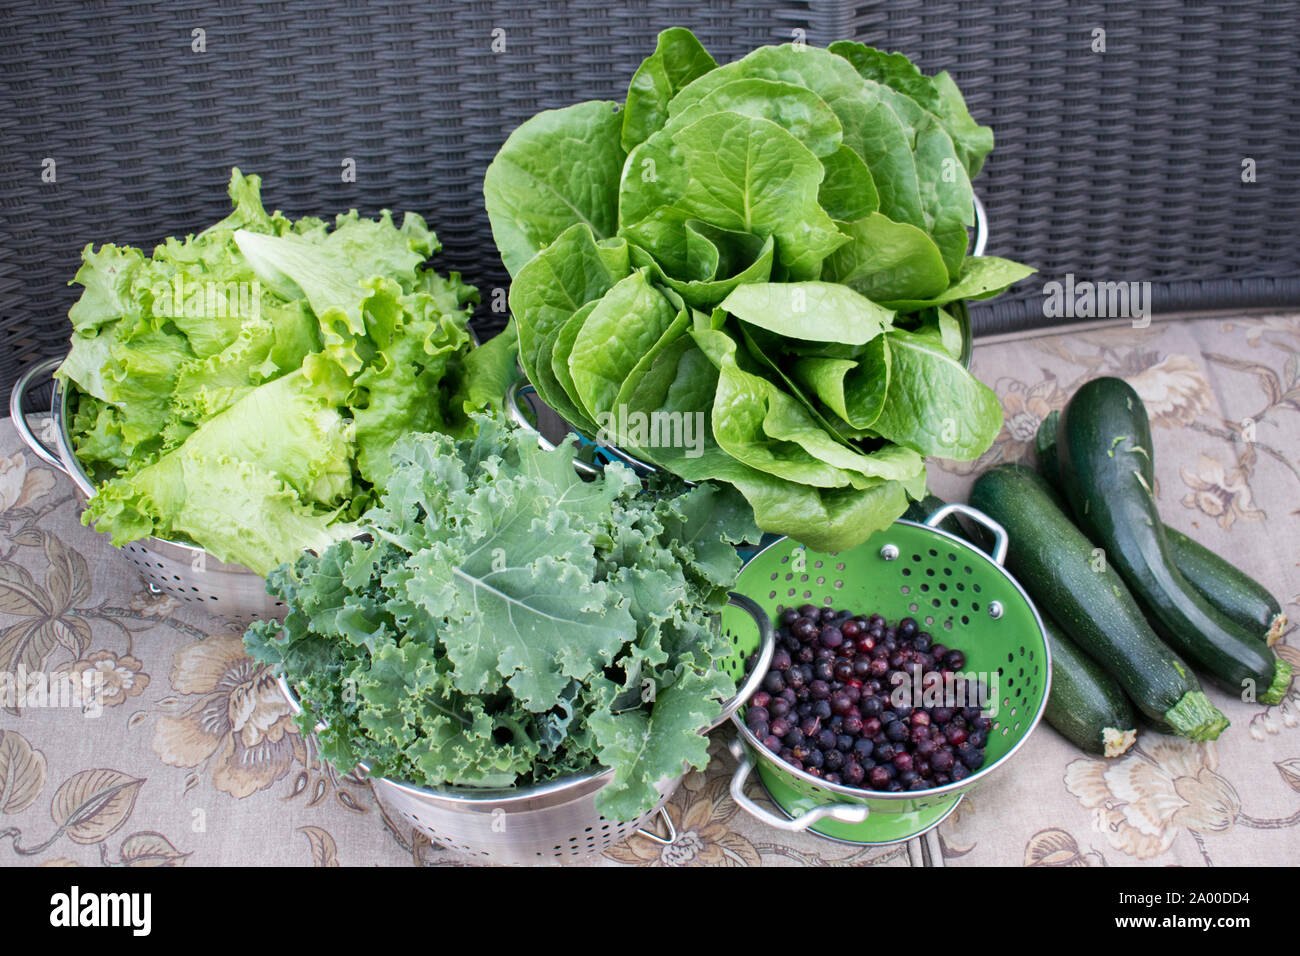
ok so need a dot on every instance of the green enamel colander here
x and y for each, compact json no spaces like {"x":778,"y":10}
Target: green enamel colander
{"x":965,"y":599}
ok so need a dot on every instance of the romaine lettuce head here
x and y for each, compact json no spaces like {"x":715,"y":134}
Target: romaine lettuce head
{"x":762,"y":254}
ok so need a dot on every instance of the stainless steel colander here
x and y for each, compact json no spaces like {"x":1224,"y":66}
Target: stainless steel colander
{"x":184,"y":571}
{"x":557,"y":822}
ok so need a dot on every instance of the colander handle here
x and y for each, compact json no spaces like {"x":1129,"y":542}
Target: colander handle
{"x":999,"y":533}
{"x":981,"y":228}
{"x":766,"y":645}
{"x":362,"y":768}
{"x":843,"y":812}
{"x":516,"y":415}
{"x":19,"y":418}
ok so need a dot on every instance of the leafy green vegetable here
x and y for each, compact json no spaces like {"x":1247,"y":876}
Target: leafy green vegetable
{"x":561,"y":167}
{"x":505,"y":623}
{"x":768,"y":249}
{"x":241,"y":389}
{"x":963,"y":429}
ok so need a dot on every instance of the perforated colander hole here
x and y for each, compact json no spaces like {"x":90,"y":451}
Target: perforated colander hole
{"x":1022,"y":650}
{"x":820,"y":581}
{"x":929,"y":622}
{"x":904,"y":590}
{"x":790,"y":576}
{"x":947,"y":625}
{"x":916,"y":557}
{"x":817,"y":564}
{"x":838,"y":585}
{"x":965,"y":619}
{"x":839,"y":565}
{"x":771,"y":594}
{"x":914,"y":607}
{"x":775,"y":575}
{"x":807,"y":595}
{"x":907,"y":572}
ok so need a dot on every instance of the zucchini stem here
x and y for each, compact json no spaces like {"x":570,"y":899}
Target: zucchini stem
{"x":1195,"y":718}
{"x":1281,"y":683}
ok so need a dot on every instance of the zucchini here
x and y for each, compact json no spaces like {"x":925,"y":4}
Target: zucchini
{"x":1054,"y":562}
{"x":921,"y":510}
{"x":1104,"y":457}
{"x":1234,"y":592}
{"x":1086,"y":705}
{"x":1045,"y":449}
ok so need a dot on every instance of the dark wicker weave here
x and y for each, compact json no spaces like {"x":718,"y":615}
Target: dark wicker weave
{"x":1123,"y":165}
{"x":144,"y":131}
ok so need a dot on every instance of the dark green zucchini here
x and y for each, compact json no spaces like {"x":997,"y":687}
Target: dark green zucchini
{"x":1055,"y":563}
{"x":1045,"y":449}
{"x":921,"y":511}
{"x":1103,"y":450}
{"x":1086,"y":704}
{"x":1234,"y":592}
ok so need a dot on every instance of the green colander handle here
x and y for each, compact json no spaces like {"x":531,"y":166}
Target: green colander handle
{"x":999,"y":533}
{"x":843,"y":812}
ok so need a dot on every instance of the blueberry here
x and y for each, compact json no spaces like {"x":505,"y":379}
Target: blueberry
{"x":879,"y":778}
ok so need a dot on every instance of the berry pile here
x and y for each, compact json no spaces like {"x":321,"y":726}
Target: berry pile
{"x":825,"y":706}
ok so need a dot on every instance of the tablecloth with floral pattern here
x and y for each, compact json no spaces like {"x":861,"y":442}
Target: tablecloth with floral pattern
{"x":193,"y":758}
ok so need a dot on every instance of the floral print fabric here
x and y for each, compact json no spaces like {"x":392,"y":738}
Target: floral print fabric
{"x":189,"y":755}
